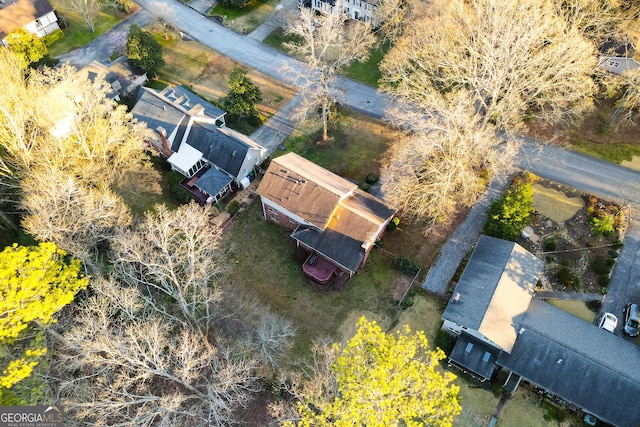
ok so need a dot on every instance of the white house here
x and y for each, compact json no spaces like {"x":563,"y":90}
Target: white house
{"x":362,"y":10}
{"x":35,"y":16}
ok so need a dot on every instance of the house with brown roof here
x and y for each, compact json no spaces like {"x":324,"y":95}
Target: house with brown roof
{"x":35,"y":16}
{"x":329,"y":216}
{"x":500,"y":324}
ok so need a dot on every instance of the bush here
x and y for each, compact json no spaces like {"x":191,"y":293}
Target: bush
{"x":550,"y":244}
{"x":179,"y":194}
{"x":511,"y":213}
{"x":567,"y":278}
{"x":405,"y":265}
{"x":393,"y":224}
{"x":602,"y":226}
{"x":233,"y":207}
{"x":53,"y":37}
{"x":601,"y":265}
{"x":372,"y":178}
{"x":445,"y":341}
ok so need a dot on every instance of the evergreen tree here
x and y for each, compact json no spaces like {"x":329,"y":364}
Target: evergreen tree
{"x":144,"y":51}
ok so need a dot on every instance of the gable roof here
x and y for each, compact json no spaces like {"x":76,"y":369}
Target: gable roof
{"x":156,"y":112}
{"x":345,"y":220}
{"x":304,"y":188}
{"x":17,"y":14}
{"x":495,"y":290}
{"x":119,"y":74}
{"x":223,"y":147}
{"x":579,"y":362}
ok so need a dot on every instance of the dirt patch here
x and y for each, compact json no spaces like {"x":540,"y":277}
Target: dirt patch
{"x":634,"y":163}
{"x":555,"y":204}
{"x":577,"y":258}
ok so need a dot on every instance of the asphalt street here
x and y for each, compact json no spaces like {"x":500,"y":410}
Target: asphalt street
{"x":584,"y":173}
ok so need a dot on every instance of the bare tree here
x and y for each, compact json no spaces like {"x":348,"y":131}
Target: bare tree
{"x":163,"y":14}
{"x":177,"y":253}
{"x":394,"y":16}
{"x":445,"y":160}
{"x":88,"y":9}
{"x":78,"y":218}
{"x":517,"y":59}
{"x":328,"y":44}
{"x":629,"y":103}
{"x":122,"y":364}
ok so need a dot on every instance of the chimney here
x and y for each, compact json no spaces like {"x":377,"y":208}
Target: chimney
{"x":166,"y":146}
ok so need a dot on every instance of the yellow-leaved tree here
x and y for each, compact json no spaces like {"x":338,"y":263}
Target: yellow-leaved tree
{"x":35,"y":283}
{"x":380,"y":379}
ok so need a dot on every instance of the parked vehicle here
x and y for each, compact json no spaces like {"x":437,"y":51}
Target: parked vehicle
{"x":631,"y":319}
{"x":608,"y":322}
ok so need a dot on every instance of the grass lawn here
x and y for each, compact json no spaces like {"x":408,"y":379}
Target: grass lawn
{"x":245,"y":20}
{"x":77,"y":34}
{"x":357,"y":144}
{"x":262,"y":268}
{"x":206,"y":72}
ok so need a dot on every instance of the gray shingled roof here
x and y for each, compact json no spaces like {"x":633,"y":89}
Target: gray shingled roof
{"x":585,"y":365}
{"x":221,"y":148}
{"x":156,"y":112}
{"x":495,"y":290}
{"x":213,"y":181}
{"x":337,"y":247}
{"x":474,"y":355}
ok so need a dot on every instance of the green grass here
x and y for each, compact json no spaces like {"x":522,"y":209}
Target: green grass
{"x":262,"y":267}
{"x":616,"y":153}
{"x":246,"y":19}
{"x":357,"y":146}
{"x":368,"y":72}
{"x":77,"y":34}
{"x":277,"y":38}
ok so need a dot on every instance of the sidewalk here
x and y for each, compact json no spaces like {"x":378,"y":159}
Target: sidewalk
{"x":275,"y":20}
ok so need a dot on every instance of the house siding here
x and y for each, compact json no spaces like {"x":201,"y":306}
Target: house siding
{"x":277,"y":215}
{"x":48,"y":23}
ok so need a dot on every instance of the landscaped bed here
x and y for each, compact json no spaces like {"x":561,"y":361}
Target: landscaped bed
{"x":579,"y":251}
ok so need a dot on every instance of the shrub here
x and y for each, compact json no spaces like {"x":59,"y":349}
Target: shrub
{"x":550,"y":244}
{"x":53,"y":37}
{"x":405,"y":265}
{"x":393,"y":224}
{"x":445,"y":341}
{"x":372,"y":178}
{"x":567,"y":278}
{"x":601,"y":265}
{"x":511,"y":213}
{"x":602,"y":226}
{"x":233,"y":207}
{"x":179,"y":194}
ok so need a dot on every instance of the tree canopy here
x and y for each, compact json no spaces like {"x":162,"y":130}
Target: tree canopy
{"x":35,"y":283}
{"x":244,"y":96}
{"x":28,"y":47}
{"x":144,"y":51}
{"x":382,"y":379}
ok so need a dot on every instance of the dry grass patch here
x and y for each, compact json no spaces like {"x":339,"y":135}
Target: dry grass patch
{"x":193,"y":65}
{"x":555,"y":204}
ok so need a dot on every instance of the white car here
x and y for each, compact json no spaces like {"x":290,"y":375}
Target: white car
{"x":608,"y":322}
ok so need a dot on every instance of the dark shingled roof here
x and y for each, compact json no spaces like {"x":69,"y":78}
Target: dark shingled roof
{"x":578,"y":361}
{"x":17,"y":14}
{"x":213,"y":181}
{"x":474,"y":355}
{"x":219,"y":146}
{"x":156,"y":112}
{"x":495,"y":290}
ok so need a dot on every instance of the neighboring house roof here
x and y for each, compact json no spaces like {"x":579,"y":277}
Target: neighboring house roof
{"x":223,"y":147}
{"x":495,"y":290}
{"x":617,"y":64}
{"x":119,"y":74}
{"x":343,"y":221}
{"x":304,"y":188}
{"x":474,"y":355}
{"x":17,"y":14}
{"x":213,"y":181}
{"x":581,"y":363}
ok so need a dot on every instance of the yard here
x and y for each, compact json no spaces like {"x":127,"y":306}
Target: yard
{"x":245,"y":20}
